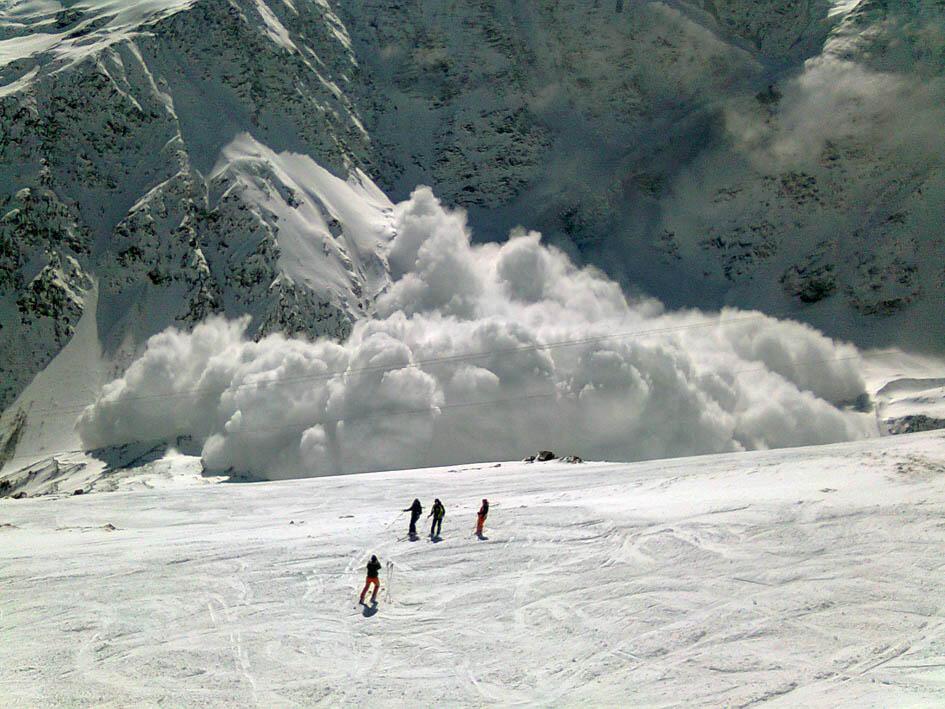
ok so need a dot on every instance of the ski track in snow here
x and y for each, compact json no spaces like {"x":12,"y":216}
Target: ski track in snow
{"x":806,"y":577}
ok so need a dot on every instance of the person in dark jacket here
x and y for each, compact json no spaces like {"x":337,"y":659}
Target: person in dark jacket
{"x":437,"y":513}
{"x":481,"y":517}
{"x":415,"y":510}
{"x":373,"y":572}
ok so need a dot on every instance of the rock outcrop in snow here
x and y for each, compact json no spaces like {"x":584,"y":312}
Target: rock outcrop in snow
{"x":44,"y":281}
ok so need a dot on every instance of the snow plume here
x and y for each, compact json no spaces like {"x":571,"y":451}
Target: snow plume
{"x":838,"y":101}
{"x":878,"y":85}
{"x":455,"y":368}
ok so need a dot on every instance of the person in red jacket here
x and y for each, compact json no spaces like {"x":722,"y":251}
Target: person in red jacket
{"x":373,"y":569}
{"x":481,"y":518}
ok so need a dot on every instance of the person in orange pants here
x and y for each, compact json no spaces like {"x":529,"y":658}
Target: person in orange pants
{"x":373,"y":569}
{"x":481,"y":518}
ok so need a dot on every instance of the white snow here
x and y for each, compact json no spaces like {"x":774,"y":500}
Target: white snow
{"x":124,"y":468}
{"x":20,"y":47}
{"x":107,"y":22}
{"x":308,"y":255}
{"x":841,"y":8}
{"x":73,"y":379}
{"x":805,"y":577}
{"x":906,"y":384}
{"x":634,"y":381}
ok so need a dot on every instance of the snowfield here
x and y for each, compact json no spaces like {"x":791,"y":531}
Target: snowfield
{"x":804,"y":577}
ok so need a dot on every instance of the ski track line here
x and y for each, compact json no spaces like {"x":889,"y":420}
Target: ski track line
{"x":234,"y":636}
{"x":703,"y":639}
{"x":355,"y":633}
{"x":583,"y":603}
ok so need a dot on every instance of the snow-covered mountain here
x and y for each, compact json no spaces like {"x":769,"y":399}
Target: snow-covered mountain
{"x":172,"y":159}
{"x":782,"y":155}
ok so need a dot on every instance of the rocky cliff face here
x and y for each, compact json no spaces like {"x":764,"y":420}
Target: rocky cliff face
{"x":177,"y":158}
{"x":126,"y":173}
{"x":44,"y":283}
{"x":782,"y":155}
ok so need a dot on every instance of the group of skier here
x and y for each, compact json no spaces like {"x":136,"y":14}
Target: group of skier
{"x":438,"y":512}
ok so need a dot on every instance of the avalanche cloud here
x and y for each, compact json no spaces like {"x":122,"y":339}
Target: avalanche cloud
{"x":485,"y":352}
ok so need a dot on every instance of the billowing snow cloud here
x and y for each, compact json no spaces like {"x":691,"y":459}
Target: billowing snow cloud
{"x":835,"y":100}
{"x":485,"y":353}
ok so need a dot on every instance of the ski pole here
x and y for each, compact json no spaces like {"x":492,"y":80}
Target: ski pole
{"x":399,"y":514}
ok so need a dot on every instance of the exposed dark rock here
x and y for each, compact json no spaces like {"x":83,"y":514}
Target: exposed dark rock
{"x":540,"y":457}
{"x":913,"y":424}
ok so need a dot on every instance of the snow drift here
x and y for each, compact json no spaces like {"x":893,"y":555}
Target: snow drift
{"x":481,"y":352}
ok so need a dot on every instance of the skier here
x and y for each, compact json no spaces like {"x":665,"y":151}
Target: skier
{"x":415,"y":510}
{"x":373,"y":569}
{"x":437,"y":513}
{"x":481,"y":519}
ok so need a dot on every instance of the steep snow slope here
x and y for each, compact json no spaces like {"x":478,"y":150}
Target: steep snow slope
{"x":165,"y":151}
{"x":806,"y":577}
{"x":909,"y":391}
{"x":76,"y":374}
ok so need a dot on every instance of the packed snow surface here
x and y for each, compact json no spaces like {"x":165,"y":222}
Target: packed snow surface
{"x":804,"y":577}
